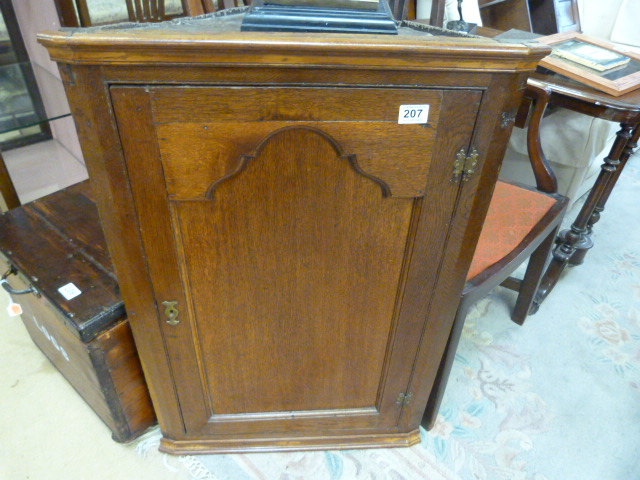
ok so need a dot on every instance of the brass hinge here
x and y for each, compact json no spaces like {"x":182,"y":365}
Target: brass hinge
{"x":404,"y":399}
{"x":464,"y":166}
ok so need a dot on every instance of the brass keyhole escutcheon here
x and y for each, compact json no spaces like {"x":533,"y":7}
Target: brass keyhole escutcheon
{"x":171,"y":312}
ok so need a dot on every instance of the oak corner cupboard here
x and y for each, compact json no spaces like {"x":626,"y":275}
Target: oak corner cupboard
{"x":291,"y":216}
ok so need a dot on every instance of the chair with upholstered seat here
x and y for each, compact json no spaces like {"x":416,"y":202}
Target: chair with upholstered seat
{"x":522,"y":223}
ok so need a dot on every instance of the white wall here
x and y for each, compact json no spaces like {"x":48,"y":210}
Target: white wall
{"x":598,"y":16}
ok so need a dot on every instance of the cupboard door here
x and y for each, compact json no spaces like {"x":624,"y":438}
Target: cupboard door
{"x":287,"y":226}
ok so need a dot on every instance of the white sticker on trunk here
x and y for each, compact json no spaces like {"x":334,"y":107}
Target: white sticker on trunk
{"x":69,"y":291}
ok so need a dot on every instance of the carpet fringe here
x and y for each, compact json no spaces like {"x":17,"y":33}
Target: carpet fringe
{"x":148,"y":442}
{"x":197,"y":470}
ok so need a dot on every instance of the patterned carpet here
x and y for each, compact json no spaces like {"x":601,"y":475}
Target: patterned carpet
{"x":558,"y":398}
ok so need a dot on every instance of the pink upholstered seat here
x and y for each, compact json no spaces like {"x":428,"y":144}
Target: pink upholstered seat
{"x":513,"y":212}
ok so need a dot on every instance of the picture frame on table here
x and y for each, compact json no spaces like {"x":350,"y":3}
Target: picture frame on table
{"x":594,"y":62}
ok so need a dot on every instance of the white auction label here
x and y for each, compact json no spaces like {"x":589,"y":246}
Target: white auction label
{"x":413,"y":114}
{"x":69,"y":291}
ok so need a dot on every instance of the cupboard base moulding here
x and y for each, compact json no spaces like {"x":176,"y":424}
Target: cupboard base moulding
{"x":279,"y":444}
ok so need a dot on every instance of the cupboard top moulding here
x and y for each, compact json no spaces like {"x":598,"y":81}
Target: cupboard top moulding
{"x":210,"y":38}
{"x":290,"y":252}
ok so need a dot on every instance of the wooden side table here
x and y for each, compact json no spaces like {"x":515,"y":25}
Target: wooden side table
{"x":553,"y":89}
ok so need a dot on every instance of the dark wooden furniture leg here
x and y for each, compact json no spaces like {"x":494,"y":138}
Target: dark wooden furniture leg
{"x":437,"y":13}
{"x":440,"y":384}
{"x":7,"y":190}
{"x":530,"y":296}
{"x":545,"y":177}
{"x":577,"y":238}
{"x":546,"y":181}
{"x":578,"y":257}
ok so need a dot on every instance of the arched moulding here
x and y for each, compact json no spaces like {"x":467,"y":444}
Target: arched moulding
{"x":245,"y":160}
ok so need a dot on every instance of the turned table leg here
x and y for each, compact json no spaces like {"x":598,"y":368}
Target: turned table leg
{"x":578,"y":257}
{"x":576,"y":241}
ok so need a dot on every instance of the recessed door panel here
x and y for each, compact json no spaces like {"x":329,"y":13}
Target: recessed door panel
{"x":283,"y":227}
{"x":290,"y":263}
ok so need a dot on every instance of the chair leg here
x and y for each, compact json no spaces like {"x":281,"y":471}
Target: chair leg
{"x":533,"y":276}
{"x":440,"y":383}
